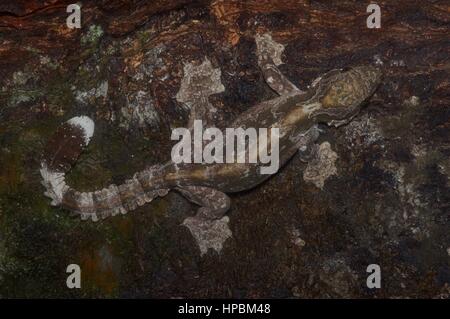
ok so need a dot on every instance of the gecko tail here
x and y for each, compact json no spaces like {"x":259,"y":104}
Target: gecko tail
{"x":61,"y":153}
{"x":67,"y":143}
{"x":110,"y":201}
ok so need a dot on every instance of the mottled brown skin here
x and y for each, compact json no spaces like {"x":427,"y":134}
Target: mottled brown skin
{"x":334,"y":99}
{"x":340,"y":95}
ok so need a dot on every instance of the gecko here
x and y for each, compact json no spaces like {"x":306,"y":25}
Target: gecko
{"x":334,"y":99}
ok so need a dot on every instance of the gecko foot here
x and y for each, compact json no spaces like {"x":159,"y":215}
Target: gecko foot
{"x":209,"y":233}
{"x":209,"y":227}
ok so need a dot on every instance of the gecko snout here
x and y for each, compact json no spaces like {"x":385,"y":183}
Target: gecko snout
{"x":350,"y":88}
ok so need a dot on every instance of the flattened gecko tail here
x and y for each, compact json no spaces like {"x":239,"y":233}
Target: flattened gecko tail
{"x":67,"y":143}
{"x":61,"y":153}
{"x":111,"y":201}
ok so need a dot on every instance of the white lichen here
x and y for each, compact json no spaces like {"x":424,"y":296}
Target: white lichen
{"x":444,"y":169}
{"x":94,"y":33}
{"x":363,"y":130}
{"x":398,"y":63}
{"x":151,"y":60}
{"x":20,"y":78}
{"x":412,"y":101}
{"x":85,"y":97}
{"x":377,"y":59}
{"x":296,"y":239}
{"x":413,"y":207}
{"x":322,"y":166}
{"x":140,"y":109}
{"x":46,"y":61}
{"x":199,"y":81}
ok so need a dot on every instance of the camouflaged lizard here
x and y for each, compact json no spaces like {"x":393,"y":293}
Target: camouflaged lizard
{"x":334,"y":99}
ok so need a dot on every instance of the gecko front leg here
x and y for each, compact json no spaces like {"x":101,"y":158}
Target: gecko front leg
{"x":269,"y":57}
{"x":209,"y":227}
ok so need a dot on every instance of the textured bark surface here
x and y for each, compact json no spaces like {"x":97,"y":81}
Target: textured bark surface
{"x":387,"y":203}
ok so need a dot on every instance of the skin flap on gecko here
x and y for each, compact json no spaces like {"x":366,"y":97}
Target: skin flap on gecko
{"x":333,"y":99}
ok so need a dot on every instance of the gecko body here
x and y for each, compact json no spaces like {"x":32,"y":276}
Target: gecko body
{"x":334,"y":99}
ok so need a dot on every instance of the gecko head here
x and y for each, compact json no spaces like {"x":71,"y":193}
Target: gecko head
{"x":340,"y":93}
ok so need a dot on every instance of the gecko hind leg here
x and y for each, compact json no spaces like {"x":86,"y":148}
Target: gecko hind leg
{"x":209,"y":227}
{"x":213,"y":203}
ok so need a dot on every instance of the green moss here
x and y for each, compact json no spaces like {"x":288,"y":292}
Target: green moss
{"x":34,"y":248}
{"x":22,"y":90}
{"x":143,"y":37}
{"x":49,"y":63}
{"x":11,"y":174}
{"x":87,"y":170}
{"x":59,"y":95}
{"x":38,"y":241}
{"x":93,"y":35}
{"x":20,"y":78}
{"x":18,"y":96}
{"x":33,"y":50}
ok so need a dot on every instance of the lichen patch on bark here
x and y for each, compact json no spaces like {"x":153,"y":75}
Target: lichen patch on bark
{"x":322,"y":166}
